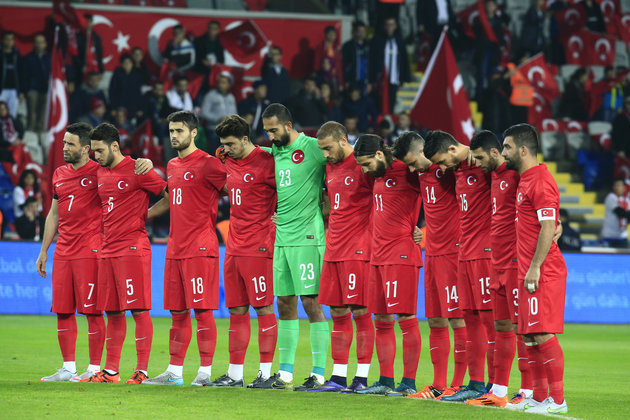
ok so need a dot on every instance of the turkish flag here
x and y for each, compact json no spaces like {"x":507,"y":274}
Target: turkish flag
{"x":609,"y":8}
{"x":64,"y":12}
{"x":244,"y":41}
{"x":467,"y":18}
{"x":485,"y":23}
{"x":442,"y":102}
{"x":555,"y":126}
{"x":585,"y":48}
{"x":570,"y":20}
{"x":424,"y":52}
{"x":539,"y":112}
{"x":622,"y":168}
{"x":240,"y":88}
{"x":619,"y":26}
{"x":142,"y":145}
{"x":540,"y":76}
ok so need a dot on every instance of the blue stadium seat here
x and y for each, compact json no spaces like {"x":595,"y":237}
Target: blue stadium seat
{"x":6,"y":205}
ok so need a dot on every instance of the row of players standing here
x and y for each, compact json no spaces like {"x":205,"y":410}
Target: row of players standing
{"x":371,"y":271}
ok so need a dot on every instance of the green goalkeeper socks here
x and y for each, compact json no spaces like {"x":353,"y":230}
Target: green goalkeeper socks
{"x":320,"y":340}
{"x":288,"y":333}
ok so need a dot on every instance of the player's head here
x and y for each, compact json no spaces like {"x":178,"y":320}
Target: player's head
{"x":234,"y":135}
{"x":105,"y":143}
{"x":520,"y":143}
{"x":76,"y":142}
{"x":486,"y":150}
{"x":372,"y":154}
{"x":409,"y":148}
{"x":442,"y":149}
{"x":332,"y":138}
{"x":619,"y":186}
{"x":277,"y":122}
{"x":182,"y":129}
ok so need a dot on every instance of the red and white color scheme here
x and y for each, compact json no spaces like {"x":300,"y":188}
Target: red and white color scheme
{"x":541,"y":77}
{"x":442,"y":102}
{"x":585,"y":48}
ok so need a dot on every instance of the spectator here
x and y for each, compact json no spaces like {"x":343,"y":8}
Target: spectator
{"x":616,"y":215}
{"x":620,"y":136}
{"x":556,"y":48}
{"x":326,"y":74}
{"x":594,"y":18}
{"x":88,"y":38}
{"x":572,"y":104}
{"x":612,"y":99}
{"x":275,"y":76}
{"x":532,"y":35}
{"x":178,"y":97}
{"x":208,"y":49}
{"x":125,"y":87}
{"x":334,"y":111}
{"x":28,"y":186}
{"x":219,"y":102}
{"x":11,"y":129}
{"x":404,"y":124}
{"x":139,"y":66}
{"x":36,"y":74}
{"x":350,"y":122}
{"x":384,"y":131}
{"x":30,"y":225}
{"x":125,"y":128}
{"x":10,"y":73}
{"x":388,"y":53}
{"x":487,"y":54}
{"x":157,"y":109}
{"x":570,"y":239}
{"x":255,"y":104}
{"x":307,"y":107}
{"x":179,"y":50}
{"x":356,"y":58}
{"x":494,"y":101}
{"x":328,"y":54}
{"x":96,"y":114}
{"x":80,"y":98}
{"x":433,"y":15}
{"x":360,"y":106}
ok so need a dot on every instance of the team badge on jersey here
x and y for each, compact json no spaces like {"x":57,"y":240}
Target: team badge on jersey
{"x":297,"y":156}
{"x":248,"y":177}
{"x":188,"y":175}
{"x":390,"y":182}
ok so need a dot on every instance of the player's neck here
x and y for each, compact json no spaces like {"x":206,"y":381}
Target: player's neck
{"x":187,"y":151}
{"x":527,"y":164}
{"x":347,"y":151}
{"x":293,"y":135}
{"x":117,"y":159}
{"x":247,"y":150}
{"x":81,"y":163}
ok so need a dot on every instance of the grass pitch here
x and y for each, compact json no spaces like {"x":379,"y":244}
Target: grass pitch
{"x":596,"y":380}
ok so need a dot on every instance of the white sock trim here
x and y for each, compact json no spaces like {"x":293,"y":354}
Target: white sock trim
{"x":340,"y":370}
{"x":176,"y":370}
{"x":235,"y":372}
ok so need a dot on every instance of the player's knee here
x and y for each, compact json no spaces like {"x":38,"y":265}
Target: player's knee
{"x":339,"y":310}
{"x":457,"y":323}
{"x":287,"y":307}
{"x":239,"y":310}
{"x":503,"y":325}
{"x":264,"y":310}
{"x":179,"y":312}
{"x":358,"y":310}
{"x":384,"y":317}
{"x":437,"y":322}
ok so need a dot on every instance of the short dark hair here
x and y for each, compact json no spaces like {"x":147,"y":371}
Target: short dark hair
{"x":276,"y":47}
{"x":563,"y":213}
{"x":124,"y":57}
{"x":332,"y":129}
{"x":189,"y":118}
{"x":438,"y":141}
{"x":487,"y":140}
{"x":404,"y":141}
{"x":329,"y":28}
{"x":214,"y":22}
{"x":82,"y":130}
{"x":369,"y":144}
{"x":523,"y":135}
{"x":105,"y":132}
{"x":618,"y":179}
{"x":358,"y":24}
{"x":279,"y":111}
{"x":234,"y":125}
{"x":178,"y":27}
{"x":5,"y":33}
{"x":180,"y":78}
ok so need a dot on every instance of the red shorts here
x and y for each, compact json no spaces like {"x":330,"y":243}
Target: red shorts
{"x":124,"y":283}
{"x":248,"y":281}
{"x":504,"y":293}
{"x":441,"y":298}
{"x":343,"y":283}
{"x":474,"y":284}
{"x":74,"y":286}
{"x":393,"y":289}
{"x":191,"y":283}
{"x":542,"y":311}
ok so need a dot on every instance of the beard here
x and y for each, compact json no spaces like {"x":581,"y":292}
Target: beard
{"x":379,"y":171}
{"x":337,"y":157}
{"x":513,"y":163}
{"x":284,"y":139}
{"x":72,"y":157}
{"x":182,"y":145}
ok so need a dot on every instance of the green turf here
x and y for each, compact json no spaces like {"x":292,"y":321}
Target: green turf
{"x":596,"y":380}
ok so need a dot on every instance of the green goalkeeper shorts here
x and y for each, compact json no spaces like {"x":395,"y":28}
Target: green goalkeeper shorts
{"x":296,"y":270}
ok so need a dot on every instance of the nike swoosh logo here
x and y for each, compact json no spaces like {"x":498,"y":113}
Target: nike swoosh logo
{"x":99,"y":185}
{"x":406,"y":332}
{"x":452,"y":309}
{"x":92,"y":333}
{"x":260,"y":298}
{"x":433,"y":348}
{"x":309,"y":286}
{"x":173,"y":380}
{"x":138,"y":339}
{"x":282,"y":348}
{"x":85,"y":305}
{"x":389,"y":305}
{"x":131,"y":301}
{"x":108,"y":338}
{"x":329,"y":181}
{"x":267,"y":329}
{"x":59,"y":185}
{"x":315,"y":352}
{"x":351,"y":296}
{"x":65,"y":329}
{"x":529,"y":324}
{"x":486,"y":300}
{"x":170,"y":176}
{"x":197,"y":300}
{"x":202,"y":329}
{"x":460,"y":351}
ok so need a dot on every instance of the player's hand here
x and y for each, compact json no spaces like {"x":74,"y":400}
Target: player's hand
{"x":274,"y":217}
{"x":143,"y":166}
{"x":558,"y":233}
{"x":221,"y":154}
{"x":417,"y":235}
{"x":531,"y":279}
{"x":41,"y":264}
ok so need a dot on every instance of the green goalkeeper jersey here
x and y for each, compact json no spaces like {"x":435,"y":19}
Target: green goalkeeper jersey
{"x":300,"y":169}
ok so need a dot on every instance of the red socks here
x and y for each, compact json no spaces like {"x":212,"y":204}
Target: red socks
{"x":67,"y":335}
{"x":239,"y":333}
{"x":504,"y":356}
{"x":411,"y":346}
{"x":116,"y":332}
{"x":144,"y":338}
{"x":461,"y":361}
{"x":96,"y":338}
{"x":440,"y":345}
{"x":488,"y":323}
{"x":179,"y":339}
{"x":553,"y":362}
{"x":385,"y":347}
{"x":523,"y":364}
{"x":341,"y":338}
{"x":365,"y":338}
{"x":539,"y":375}
{"x":476,"y":345}
{"x":267,"y":337}
{"x":206,"y":335}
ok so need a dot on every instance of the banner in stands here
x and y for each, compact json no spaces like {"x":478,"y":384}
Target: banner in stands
{"x":598,"y":285}
{"x":121,"y":31}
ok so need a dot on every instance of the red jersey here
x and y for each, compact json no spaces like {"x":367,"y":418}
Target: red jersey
{"x":349,"y":223}
{"x":124,"y":205}
{"x":395,"y":213}
{"x":194,"y":185}
{"x":503,"y":229}
{"x":440,"y":211}
{"x":251,"y":185}
{"x":472,"y":187}
{"x":537,"y":199}
{"x":79,"y":211}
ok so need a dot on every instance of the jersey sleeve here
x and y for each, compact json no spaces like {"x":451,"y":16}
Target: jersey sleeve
{"x":270,"y":173}
{"x":216,"y":174}
{"x":545,"y":201}
{"x":151,"y":182}
{"x":266,"y":149}
{"x":54,"y":187}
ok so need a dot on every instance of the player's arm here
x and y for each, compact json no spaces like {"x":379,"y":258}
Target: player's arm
{"x":417,"y":235}
{"x":545,"y":239}
{"x":143,"y":166}
{"x":326,"y":206}
{"x":161,"y":207}
{"x":224,"y":191}
{"x":50,"y":229}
